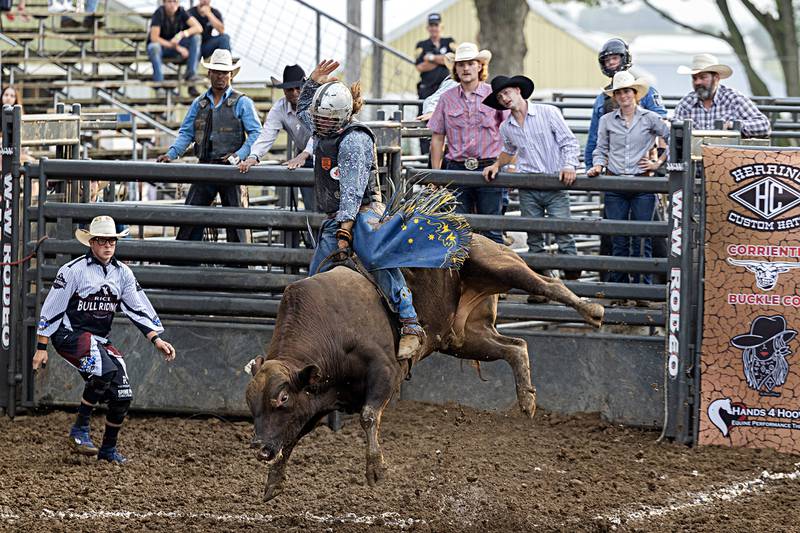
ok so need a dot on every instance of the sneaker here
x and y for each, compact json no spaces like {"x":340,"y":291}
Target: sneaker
{"x":69,"y":23}
{"x":80,"y":440}
{"x":112,"y":456}
{"x":88,"y":22}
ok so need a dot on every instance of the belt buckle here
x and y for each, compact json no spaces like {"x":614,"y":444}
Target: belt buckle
{"x":471,"y":163}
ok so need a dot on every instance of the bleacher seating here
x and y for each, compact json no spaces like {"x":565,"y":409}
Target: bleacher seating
{"x":71,"y":65}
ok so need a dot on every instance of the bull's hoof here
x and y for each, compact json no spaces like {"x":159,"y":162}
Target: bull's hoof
{"x":271,"y":491}
{"x":527,"y":402}
{"x":593,"y":314}
{"x":376,"y":471}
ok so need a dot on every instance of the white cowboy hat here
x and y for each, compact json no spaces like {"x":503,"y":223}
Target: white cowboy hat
{"x":102,"y":226}
{"x":467,"y":52}
{"x":706,"y":63}
{"x":625,"y":80}
{"x":222,"y":60}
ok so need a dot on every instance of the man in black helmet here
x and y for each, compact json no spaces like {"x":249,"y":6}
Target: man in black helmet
{"x":613,"y":57}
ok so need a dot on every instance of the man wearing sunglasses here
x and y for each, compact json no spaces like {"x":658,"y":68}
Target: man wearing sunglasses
{"x":76,"y":318}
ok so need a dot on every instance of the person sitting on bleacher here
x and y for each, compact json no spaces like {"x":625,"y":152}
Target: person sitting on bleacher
{"x":210,"y":19}
{"x":173,"y":32}
{"x":223,"y":124}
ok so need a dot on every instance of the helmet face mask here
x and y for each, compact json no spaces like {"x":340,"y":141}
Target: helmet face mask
{"x":331,"y":108}
{"x":612,"y":47}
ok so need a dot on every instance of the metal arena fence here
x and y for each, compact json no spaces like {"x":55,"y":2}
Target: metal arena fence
{"x":219,"y":289}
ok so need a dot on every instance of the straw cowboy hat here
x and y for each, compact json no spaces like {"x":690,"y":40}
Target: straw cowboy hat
{"x":523,"y":83}
{"x":706,"y":63}
{"x":222,"y":60}
{"x":625,"y":80}
{"x":102,"y":226}
{"x":467,"y":52}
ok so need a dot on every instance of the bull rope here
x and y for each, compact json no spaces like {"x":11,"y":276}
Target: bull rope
{"x":27,"y":257}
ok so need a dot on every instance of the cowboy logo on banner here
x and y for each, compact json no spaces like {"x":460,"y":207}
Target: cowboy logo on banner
{"x":749,"y":363}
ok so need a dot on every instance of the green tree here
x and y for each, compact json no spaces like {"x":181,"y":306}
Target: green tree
{"x":780,"y":23}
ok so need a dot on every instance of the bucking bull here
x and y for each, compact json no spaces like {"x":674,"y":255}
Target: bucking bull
{"x":334,"y":347}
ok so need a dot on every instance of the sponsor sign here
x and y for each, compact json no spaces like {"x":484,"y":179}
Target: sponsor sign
{"x":750,"y":356}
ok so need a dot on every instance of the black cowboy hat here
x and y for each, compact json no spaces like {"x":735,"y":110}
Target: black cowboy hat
{"x":762,"y":329}
{"x":293,"y":77}
{"x":499,"y":83}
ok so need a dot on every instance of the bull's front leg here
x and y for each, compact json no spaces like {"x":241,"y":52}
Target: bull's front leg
{"x":277,"y":474}
{"x":376,"y":466}
{"x":383,"y":378}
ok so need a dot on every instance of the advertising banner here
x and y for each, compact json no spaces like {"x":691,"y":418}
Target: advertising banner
{"x":750,"y":356}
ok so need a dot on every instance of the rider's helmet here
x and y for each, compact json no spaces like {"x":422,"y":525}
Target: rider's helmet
{"x":615,"y":46}
{"x":331,"y":108}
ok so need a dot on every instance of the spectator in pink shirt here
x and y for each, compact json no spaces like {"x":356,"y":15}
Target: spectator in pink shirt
{"x":472,"y":130}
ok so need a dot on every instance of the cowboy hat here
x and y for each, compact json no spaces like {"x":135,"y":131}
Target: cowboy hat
{"x":222,"y":60}
{"x":499,"y":83}
{"x":706,"y":63}
{"x":763,"y":329}
{"x":467,"y":52}
{"x":102,"y":226}
{"x":625,"y":80}
{"x":293,"y":78}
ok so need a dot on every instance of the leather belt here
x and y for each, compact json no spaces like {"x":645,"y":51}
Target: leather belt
{"x":472,"y":163}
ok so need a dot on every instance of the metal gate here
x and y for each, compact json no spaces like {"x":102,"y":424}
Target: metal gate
{"x":193,"y":299}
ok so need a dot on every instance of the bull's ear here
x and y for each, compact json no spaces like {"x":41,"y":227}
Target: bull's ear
{"x":254,"y":365}
{"x":308,"y":378}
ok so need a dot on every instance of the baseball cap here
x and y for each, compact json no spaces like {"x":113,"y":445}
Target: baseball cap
{"x":434,"y":18}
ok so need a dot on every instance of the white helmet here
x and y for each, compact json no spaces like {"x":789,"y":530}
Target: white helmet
{"x":331,"y":107}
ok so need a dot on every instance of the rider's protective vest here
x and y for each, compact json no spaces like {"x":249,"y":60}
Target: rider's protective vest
{"x":326,"y":170}
{"x":217,"y":130}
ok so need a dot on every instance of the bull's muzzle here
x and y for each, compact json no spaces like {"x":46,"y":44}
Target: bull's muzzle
{"x":268,"y":455}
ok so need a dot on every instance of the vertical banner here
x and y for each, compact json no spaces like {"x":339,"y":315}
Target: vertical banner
{"x":750,"y":362}
{"x":6,"y":249}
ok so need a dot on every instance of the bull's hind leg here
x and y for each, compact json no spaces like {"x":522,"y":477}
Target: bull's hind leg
{"x":493,"y":268}
{"x":382,"y":381}
{"x":482,"y":342}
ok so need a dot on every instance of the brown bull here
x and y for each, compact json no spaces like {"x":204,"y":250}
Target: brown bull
{"x":334,"y":347}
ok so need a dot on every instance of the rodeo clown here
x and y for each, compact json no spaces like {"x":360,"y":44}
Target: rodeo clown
{"x":76,"y":316}
{"x":346,"y":189}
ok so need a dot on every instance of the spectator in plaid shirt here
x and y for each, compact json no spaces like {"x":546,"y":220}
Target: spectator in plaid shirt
{"x":710,"y":101}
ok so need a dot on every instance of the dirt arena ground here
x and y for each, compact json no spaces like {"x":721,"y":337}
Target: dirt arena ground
{"x":450,"y":469}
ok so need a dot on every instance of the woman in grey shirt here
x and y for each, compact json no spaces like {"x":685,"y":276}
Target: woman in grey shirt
{"x":625,"y":140}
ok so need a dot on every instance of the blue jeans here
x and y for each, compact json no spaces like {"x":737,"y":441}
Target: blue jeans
{"x":479,"y":200}
{"x":391,"y":280}
{"x":90,"y":6}
{"x":630,"y":206}
{"x":157,"y":54}
{"x":555,"y":204}
{"x":212,"y":43}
